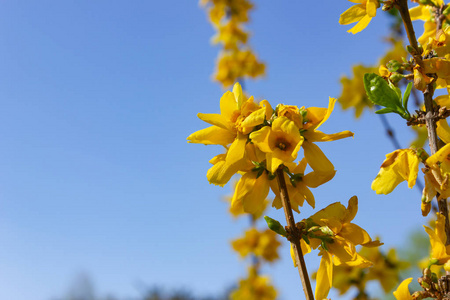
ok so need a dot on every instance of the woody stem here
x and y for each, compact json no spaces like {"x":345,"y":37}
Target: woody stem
{"x":295,"y":243}
{"x":402,"y":6}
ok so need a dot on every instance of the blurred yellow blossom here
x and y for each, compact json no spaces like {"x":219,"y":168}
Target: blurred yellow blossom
{"x":255,"y":287}
{"x":262,"y":244}
{"x":353,"y":93}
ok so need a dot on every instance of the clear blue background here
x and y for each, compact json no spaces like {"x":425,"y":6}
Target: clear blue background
{"x":96,"y":101}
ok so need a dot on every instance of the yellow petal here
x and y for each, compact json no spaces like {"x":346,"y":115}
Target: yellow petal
{"x":287,"y":126}
{"x":261,"y":138}
{"x":215,"y":119}
{"x":352,"y":15}
{"x":238,"y":95}
{"x":331,"y":102}
{"x":255,"y":118}
{"x":420,"y":12}
{"x":438,"y":249}
{"x":443,"y":130}
{"x":316,"y":159}
{"x":273,"y":162}
{"x":402,"y":292}
{"x":228,"y":105}
{"x":306,"y":194}
{"x":371,"y":7}
{"x":318,"y":136}
{"x":314,"y":179}
{"x":221,"y":173}
{"x":361,"y":24}
{"x":439,"y":156}
{"x":355,"y":234}
{"x":212,"y":136}
{"x":324,"y":278}
{"x":237,"y":149}
{"x":251,"y":192}
{"x":352,"y":209}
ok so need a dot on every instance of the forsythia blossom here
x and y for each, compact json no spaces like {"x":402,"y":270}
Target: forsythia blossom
{"x":363,"y":12}
{"x":331,"y":231}
{"x":259,"y":140}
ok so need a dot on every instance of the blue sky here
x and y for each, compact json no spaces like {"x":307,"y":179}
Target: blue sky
{"x":96,"y":101}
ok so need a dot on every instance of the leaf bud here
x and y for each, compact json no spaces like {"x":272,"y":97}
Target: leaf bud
{"x":274,"y":225}
{"x":395,"y":78}
{"x":393,"y":65}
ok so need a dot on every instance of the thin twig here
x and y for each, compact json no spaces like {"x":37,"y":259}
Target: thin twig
{"x":301,"y":265}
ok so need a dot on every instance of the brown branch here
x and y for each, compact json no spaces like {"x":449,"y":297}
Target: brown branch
{"x":402,"y":6}
{"x":292,"y":230}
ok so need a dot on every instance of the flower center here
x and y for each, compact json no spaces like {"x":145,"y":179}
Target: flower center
{"x":282,"y":144}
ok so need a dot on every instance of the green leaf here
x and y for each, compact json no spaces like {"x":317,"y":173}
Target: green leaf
{"x":406,"y":97}
{"x":379,"y":91}
{"x":276,"y":226}
{"x":385,"y":110}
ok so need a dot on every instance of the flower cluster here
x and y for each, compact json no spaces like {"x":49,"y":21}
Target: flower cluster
{"x":236,"y":60}
{"x":331,"y":231}
{"x":259,"y":140}
{"x":262,"y":244}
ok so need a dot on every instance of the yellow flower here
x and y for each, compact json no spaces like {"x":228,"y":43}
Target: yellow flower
{"x":255,"y":287}
{"x":251,"y":191}
{"x":337,"y":246}
{"x":261,"y":244}
{"x":402,"y":292}
{"x":353,"y":93}
{"x":425,"y":13}
{"x":438,"y":172}
{"x":300,"y":192}
{"x":400,"y":165}
{"x":238,"y":210}
{"x":361,"y":13}
{"x":281,"y":142}
{"x":227,"y":129}
{"x":439,"y":251}
{"x":315,"y":117}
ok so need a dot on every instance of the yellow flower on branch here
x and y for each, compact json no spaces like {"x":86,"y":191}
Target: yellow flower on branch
{"x":440,"y":253}
{"x":437,"y":173}
{"x":228,"y":130}
{"x":361,"y":13}
{"x":262,"y":244}
{"x":425,"y":13}
{"x":300,"y":192}
{"x":336,"y":238}
{"x":400,"y":165}
{"x":281,"y":142}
